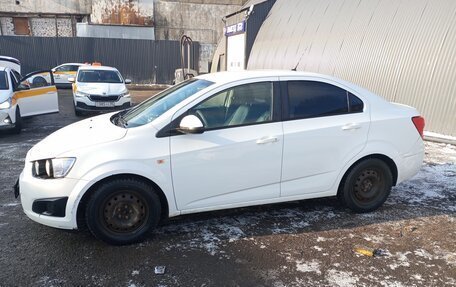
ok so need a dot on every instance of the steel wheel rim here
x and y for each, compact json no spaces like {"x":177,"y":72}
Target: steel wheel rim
{"x":368,"y":186}
{"x":123,"y":212}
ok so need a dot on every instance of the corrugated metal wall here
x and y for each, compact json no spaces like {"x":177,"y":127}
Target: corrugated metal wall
{"x":254,"y":23}
{"x":142,"y":61}
{"x":403,"y":50}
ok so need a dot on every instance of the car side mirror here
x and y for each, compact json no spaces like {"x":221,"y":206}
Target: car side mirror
{"x":22,"y":87}
{"x":127,"y":81}
{"x":71,"y":79}
{"x":53,"y":70}
{"x":191,"y":124}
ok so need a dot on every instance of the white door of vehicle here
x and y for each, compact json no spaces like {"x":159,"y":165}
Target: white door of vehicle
{"x":325,"y":127}
{"x":238,"y":157}
{"x":63,"y":72}
{"x":36,"y":94}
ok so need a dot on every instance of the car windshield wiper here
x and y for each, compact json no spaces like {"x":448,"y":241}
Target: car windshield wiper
{"x":121,"y":121}
{"x":118,"y":120}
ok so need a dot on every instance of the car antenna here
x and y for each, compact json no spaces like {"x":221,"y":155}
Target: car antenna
{"x":299,"y":61}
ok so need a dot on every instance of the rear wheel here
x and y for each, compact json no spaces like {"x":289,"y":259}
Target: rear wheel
{"x":122,"y":211}
{"x":18,"y":121}
{"x":366,"y":186}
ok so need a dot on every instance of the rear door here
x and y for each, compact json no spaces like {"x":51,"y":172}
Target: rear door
{"x":325,"y":126}
{"x":36,"y":94}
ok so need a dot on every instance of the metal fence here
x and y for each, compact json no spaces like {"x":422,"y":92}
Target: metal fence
{"x":142,"y":61}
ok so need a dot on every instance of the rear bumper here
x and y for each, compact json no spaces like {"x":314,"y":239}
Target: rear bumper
{"x":411,"y":162}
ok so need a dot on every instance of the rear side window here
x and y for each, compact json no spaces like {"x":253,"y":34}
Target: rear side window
{"x":310,"y":99}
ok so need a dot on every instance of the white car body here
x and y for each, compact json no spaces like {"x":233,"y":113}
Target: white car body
{"x":275,"y":161}
{"x":20,"y":97}
{"x":100,"y":96}
{"x":64,"y":71}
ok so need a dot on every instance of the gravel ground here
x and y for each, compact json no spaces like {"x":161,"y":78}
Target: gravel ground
{"x":294,"y":244}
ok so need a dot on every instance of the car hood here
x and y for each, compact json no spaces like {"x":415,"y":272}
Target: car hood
{"x":81,"y":134}
{"x":4,"y":95}
{"x":101,"y":88}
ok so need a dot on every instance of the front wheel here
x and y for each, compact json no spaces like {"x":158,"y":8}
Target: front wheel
{"x":366,"y":186}
{"x":122,"y":211}
{"x":18,"y":121}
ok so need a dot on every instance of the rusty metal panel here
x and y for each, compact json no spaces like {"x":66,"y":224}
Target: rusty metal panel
{"x":121,"y":12}
{"x":21,"y":26}
{"x":403,"y":50}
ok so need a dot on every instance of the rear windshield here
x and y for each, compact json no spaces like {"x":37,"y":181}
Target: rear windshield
{"x":3,"y":81}
{"x":99,"y":76}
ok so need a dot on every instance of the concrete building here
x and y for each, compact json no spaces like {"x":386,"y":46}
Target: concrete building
{"x":127,"y":19}
{"x":42,"y":18}
{"x":403,"y":50}
{"x":201,"y":20}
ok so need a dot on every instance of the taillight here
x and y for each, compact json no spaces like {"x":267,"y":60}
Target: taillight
{"x":419,"y":124}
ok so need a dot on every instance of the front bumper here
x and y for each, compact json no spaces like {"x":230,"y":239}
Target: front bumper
{"x":7,"y":118}
{"x":84,"y":104}
{"x":52,"y":202}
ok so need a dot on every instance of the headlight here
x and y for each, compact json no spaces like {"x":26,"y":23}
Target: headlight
{"x":6,"y":104}
{"x":52,"y":168}
{"x":125,"y":94}
{"x":81,"y":94}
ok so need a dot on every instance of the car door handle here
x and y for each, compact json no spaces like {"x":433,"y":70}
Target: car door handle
{"x":266,"y":140}
{"x":351,"y":126}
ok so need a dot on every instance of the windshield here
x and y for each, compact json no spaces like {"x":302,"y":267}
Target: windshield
{"x":3,"y":81}
{"x":99,"y":76}
{"x":159,"y":104}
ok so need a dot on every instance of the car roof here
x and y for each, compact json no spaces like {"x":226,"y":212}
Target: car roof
{"x":227,"y":77}
{"x":5,"y":69}
{"x":107,"y":68}
{"x":76,"y":64}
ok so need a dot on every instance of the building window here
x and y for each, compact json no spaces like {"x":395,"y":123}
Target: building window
{"x":21,"y":26}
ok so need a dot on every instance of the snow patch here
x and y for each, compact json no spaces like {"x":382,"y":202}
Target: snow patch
{"x":312,"y":266}
{"x":341,"y":278}
{"x":318,"y":248}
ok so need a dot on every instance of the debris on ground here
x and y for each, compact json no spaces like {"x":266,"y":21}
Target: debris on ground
{"x":160,"y":270}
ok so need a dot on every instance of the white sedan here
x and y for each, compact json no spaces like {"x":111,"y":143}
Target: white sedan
{"x":99,"y":89}
{"x":220,"y":141}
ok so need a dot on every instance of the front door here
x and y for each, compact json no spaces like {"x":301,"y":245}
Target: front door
{"x":238,"y":157}
{"x":36,"y":94}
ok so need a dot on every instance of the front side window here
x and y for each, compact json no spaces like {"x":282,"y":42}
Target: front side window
{"x":64,"y":68}
{"x":37,"y":80}
{"x":310,"y":99}
{"x":3,"y":81}
{"x":99,"y":76}
{"x":157,"y":105}
{"x":240,"y":105}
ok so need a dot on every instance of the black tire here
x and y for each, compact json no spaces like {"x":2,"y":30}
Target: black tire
{"x":133,"y":208}
{"x":366,"y":186}
{"x":78,"y":113}
{"x":18,"y":121}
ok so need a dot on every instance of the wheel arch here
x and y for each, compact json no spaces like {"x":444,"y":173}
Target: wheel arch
{"x":386,"y":159}
{"x":80,"y":213}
